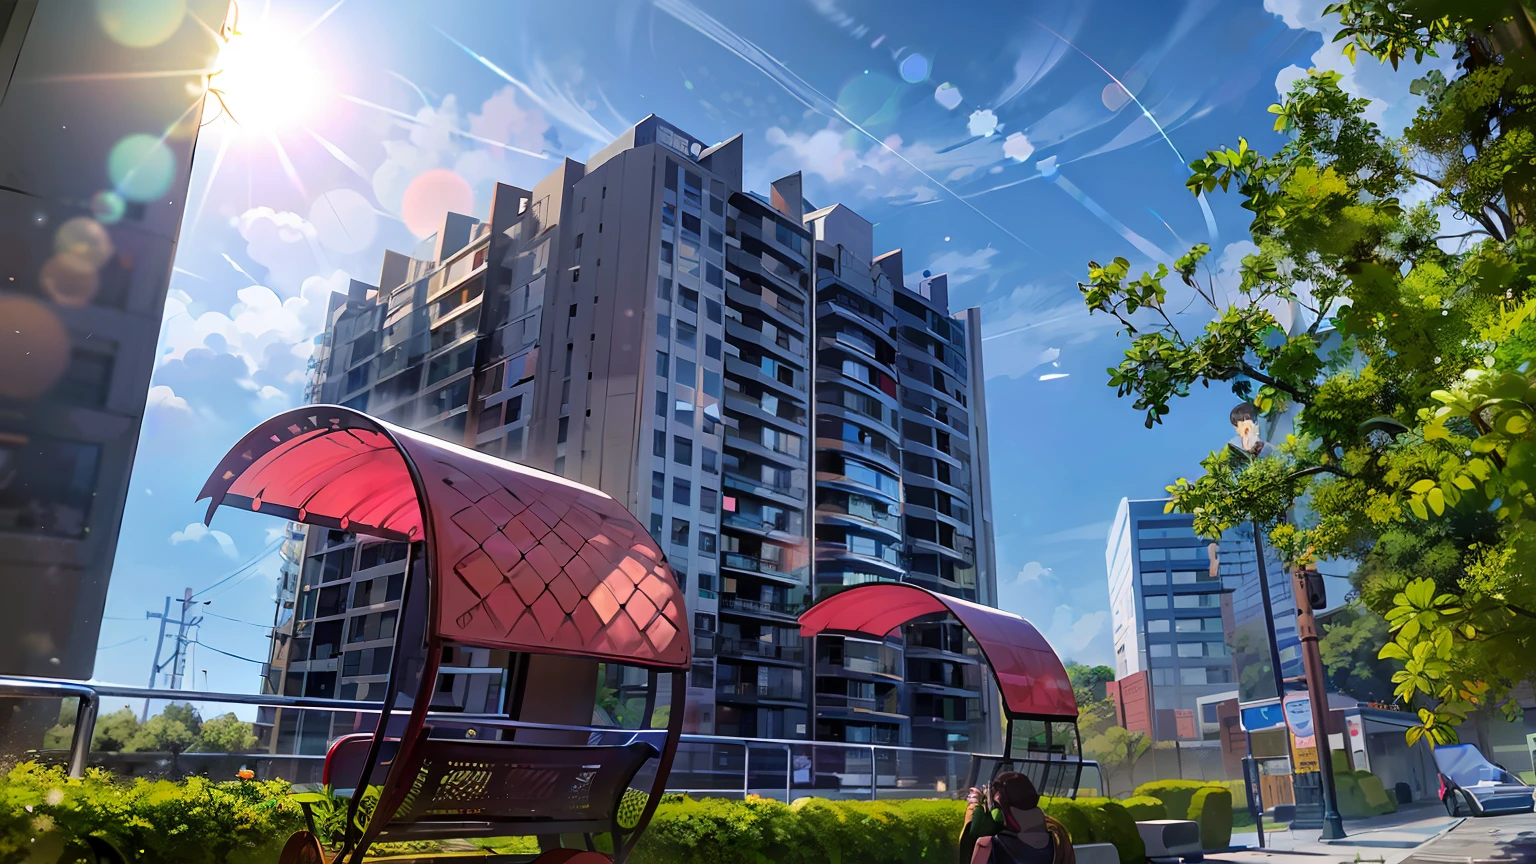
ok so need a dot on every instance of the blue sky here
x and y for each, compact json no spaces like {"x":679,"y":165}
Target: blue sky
{"x":989,"y":140}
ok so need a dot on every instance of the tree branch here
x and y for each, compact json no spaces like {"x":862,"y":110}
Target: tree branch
{"x":1428,"y":179}
{"x":1287,"y":389}
{"x":1520,"y":610}
{"x":1463,"y":234}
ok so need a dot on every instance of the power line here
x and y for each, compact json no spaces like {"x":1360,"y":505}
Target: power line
{"x":225,"y":653}
{"x":252,"y":562}
{"x":121,"y":644}
{"x":237,"y":620}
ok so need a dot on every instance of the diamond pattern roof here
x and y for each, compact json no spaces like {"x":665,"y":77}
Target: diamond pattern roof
{"x":1032,"y":679}
{"x":519,"y":559}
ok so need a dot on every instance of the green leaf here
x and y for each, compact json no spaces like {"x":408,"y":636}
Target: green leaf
{"x":1436,"y":499}
{"x":1417,"y":506}
{"x":1421,"y":487}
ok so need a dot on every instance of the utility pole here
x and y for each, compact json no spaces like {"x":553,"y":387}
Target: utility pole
{"x":179,"y":665}
{"x":1317,"y":694}
{"x":154,"y":667}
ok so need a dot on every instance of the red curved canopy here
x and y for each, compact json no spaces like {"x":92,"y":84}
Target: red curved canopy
{"x":517,"y":559}
{"x":1029,"y":674}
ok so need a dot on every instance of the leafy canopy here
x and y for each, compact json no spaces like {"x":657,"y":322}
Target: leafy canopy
{"x":1400,"y":348}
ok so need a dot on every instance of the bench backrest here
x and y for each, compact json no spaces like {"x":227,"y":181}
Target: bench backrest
{"x":344,"y":761}
{"x":503,"y":782}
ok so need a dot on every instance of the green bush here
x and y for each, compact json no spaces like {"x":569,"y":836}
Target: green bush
{"x":1145,"y":808}
{"x":1212,"y":808}
{"x":198,"y":821}
{"x":1113,"y":823}
{"x":1176,"y":795}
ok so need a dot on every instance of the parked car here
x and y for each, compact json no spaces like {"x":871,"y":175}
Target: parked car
{"x":1470,"y":785}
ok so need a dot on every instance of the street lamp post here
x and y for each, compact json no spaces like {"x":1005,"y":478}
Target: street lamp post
{"x":1317,"y":694}
{"x":1248,"y":443}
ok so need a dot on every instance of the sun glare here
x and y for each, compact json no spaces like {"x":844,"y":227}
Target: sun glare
{"x":264,"y":82}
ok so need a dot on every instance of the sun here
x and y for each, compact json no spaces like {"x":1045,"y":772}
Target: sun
{"x":263,"y":82}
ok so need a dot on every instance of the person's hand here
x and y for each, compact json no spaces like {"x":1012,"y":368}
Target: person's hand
{"x":973,"y":796}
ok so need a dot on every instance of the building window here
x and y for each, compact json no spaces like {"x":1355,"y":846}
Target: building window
{"x":661,"y":363}
{"x":686,"y":372}
{"x":661,"y":403}
{"x":1157,"y":625}
{"x":666,"y":252}
{"x":1154,"y":554}
{"x":664,"y":327}
{"x":704,"y":621}
{"x":1155,"y":577}
{"x":562,"y":430}
{"x":514,"y":409}
{"x":656,"y":526}
{"x":658,"y":485}
{"x":712,"y":310}
{"x":1191,"y":649}
{"x":51,"y":484}
{"x":709,"y":460}
{"x":1162,"y":677}
{"x":687,"y":335}
{"x":659,"y":443}
{"x":664,"y":288}
{"x":682,"y":450}
{"x":713,"y":276}
{"x":682,"y":407}
{"x":1155,"y":601}
{"x":1160,"y":650}
{"x":707,"y":542}
{"x":680,"y":530}
{"x":712,"y":347}
{"x":688,"y":298}
{"x":707,"y":500}
{"x":682,"y":492}
{"x":716,"y":239}
{"x":579,"y":236}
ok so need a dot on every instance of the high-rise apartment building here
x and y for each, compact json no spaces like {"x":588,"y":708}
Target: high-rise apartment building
{"x":1170,"y":612}
{"x":643,"y":325}
{"x":95,"y":156}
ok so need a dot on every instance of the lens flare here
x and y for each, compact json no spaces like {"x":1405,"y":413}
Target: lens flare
{"x":263,"y":82}
{"x":431,"y":197}
{"x":140,"y":23}
{"x":36,"y":348}
{"x":141,"y":167}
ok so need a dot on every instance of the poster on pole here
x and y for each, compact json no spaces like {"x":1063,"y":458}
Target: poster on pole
{"x":1298,"y":716}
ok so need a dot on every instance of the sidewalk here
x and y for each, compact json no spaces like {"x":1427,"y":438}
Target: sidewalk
{"x":1385,"y":839}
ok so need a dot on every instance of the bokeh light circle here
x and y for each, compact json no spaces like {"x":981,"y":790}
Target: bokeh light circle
{"x":141,"y":167}
{"x":914,"y":69}
{"x":140,"y":23}
{"x":344,"y":221}
{"x":947,"y":95}
{"x":35,"y":349}
{"x":69,"y":279}
{"x":84,"y":237}
{"x":870,"y":98}
{"x":431,"y":197}
{"x":1114,"y":96}
{"x":108,"y":207}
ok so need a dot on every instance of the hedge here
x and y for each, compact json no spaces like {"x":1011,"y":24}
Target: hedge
{"x":1361,"y":794}
{"x":1209,"y":804}
{"x":1212,"y":808}
{"x":1144,"y":808}
{"x":199,"y":821}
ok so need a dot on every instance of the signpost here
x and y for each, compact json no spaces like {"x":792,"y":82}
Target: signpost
{"x":1255,"y":793}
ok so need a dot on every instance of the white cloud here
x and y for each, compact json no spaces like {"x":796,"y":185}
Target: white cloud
{"x":1053,"y":376}
{"x":876,"y":172}
{"x":1031,"y":572}
{"x":259,"y":322}
{"x":197,"y":531}
{"x":962,"y":267}
{"x":284,"y":243}
{"x":982,"y":123}
{"x":163,"y":397}
{"x":431,"y":143}
{"x":1017,"y":147}
{"x":1070,"y":633}
{"x":1392,"y":106}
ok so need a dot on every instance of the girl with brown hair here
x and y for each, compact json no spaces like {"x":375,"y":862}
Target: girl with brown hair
{"x":1011,"y":829}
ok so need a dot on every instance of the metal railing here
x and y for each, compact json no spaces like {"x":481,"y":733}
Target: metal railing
{"x":717,"y":765}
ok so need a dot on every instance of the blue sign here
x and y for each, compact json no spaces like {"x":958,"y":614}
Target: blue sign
{"x":1257,"y":718}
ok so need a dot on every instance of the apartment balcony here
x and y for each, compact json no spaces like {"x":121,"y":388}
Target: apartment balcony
{"x":835,"y":703}
{"x":790,"y":495}
{"x":860,"y":668}
{"x":756,"y":525}
{"x":754,"y":693}
{"x":761,"y":566}
{"x":752,"y":649}
{"x":788,"y":612}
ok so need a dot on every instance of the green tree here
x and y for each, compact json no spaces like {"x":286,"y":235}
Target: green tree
{"x":173,"y":730}
{"x":225,"y":734}
{"x":1351,"y":642}
{"x":1117,"y":750}
{"x":112,"y":730}
{"x":1410,"y":376}
{"x":1088,"y":682}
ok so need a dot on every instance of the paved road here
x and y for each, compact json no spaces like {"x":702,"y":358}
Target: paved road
{"x":1501,"y":839}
